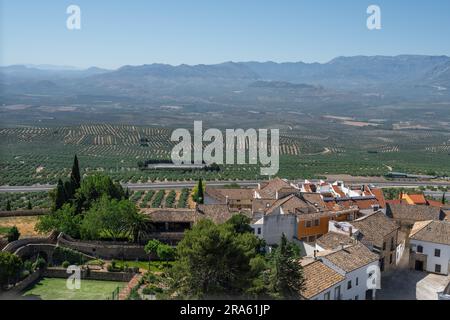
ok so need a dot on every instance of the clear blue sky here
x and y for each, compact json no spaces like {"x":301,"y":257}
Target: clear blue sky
{"x":117,"y":32}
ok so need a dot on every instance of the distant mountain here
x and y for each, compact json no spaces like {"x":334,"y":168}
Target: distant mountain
{"x":404,"y":76}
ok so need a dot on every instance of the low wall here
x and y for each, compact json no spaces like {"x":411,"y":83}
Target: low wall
{"x":93,"y":275}
{"x":23,"y":213}
{"x":13,"y":246}
{"x":105,"y":249}
{"x":15,"y":291}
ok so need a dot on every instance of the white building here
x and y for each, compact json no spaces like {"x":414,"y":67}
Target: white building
{"x":360,"y":268}
{"x":430,"y":246}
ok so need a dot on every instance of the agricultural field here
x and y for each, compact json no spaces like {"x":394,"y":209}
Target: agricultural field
{"x":25,"y":200}
{"x":162,"y":198}
{"x":312,"y":147}
{"x":26,"y":225}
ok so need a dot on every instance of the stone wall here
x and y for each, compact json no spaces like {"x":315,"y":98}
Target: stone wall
{"x":93,"y":275}
{"x":105,"y":249}
{"x":23,"y":213}
{"x":15,"y":291}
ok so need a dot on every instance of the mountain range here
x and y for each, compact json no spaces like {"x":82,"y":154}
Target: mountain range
{"x":415,"y":75}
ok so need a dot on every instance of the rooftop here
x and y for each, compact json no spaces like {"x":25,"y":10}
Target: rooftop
{"x":375,"y":227}
{"x":318,"y":278}
{"x":352,"y":258}
{"x":333,"y":240}
{"x":412,"y":212}
{"x":431,"y":231}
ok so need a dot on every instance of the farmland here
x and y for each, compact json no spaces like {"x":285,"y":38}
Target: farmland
{"x":313,"y":148}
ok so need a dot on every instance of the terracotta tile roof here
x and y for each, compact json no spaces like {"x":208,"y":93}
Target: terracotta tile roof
{"x":293,"y":204}
{"x":378,"y":193}
{"x":269,"y":190}
{"x":333,"y":240}
{"x":352,"y":258}
{"x":375,"y":227}
{"x":233,"y":194}
{"x":396,"y":201}
{"x":418,"y":198}
{"x":170,"y":215}
{"x":413,"y":212}
{"x":261,"y":205}
{"x":435,"y":203}
{"x":318,"y":278}
{"x":218,"y":213}
{"x":338,"y":191}
{"x":431,"y":231}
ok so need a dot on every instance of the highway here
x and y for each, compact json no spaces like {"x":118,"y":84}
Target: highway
{"x":189,"y":184}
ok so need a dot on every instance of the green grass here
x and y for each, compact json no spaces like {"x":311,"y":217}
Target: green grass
{"x":4,"y":230}
{"x":55,"y":289}
{"x":154,"y":265}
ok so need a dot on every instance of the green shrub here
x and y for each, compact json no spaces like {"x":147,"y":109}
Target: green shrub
{"x":40,"y":263}
{"x":13,"y":234}
{"x":152,"y":289}
{"x":66,"y":264}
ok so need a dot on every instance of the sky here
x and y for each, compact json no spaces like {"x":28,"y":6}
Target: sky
{"x":115,"y":33}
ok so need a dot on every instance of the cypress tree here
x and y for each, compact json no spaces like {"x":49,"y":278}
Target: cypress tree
{"x":75,"y":176}
{"x":8,"y":205}
{"x":60,"y":196}
{"x":200,"y":195}
{"x":443,"y":198}
{"x":29,"y":206}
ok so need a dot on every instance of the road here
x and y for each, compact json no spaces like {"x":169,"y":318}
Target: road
{"x":185,"y":184}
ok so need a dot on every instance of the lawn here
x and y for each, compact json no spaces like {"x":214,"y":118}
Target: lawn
{"x":55,"y":289}
{"x":154,"y":265}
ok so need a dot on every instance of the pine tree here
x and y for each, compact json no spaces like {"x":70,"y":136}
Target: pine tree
{"x":8,"y":205}
{"x":286,"y":280}
{"x":75,"y":176}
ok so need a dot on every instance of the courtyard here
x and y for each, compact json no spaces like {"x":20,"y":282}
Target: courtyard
{"x":405,"y":284}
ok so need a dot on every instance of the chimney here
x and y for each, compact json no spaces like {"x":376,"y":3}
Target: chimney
{"x":350,"y":231}
{"x":315,"y":254}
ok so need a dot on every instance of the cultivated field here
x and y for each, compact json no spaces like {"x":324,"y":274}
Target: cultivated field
{"x":309,"y":148}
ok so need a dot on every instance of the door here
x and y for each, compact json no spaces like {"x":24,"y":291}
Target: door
{"x":419,"y":265}
{"x":369,"y":294}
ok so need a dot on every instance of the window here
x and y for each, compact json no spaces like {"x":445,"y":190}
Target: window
{"x":308,"y":224}
{"x":392,"y":244}
{"x":356,"y":297}
{"x":357,"y":281}
{"x":259,"y":230}
{"x":437,"y":252}
{"x":337,"y":293}
{"x":326,"y":296}
{"x":304,"y":239}
{"x":384,"y":246}
{"x":316,"y":222}
{"x":390,"y":259}
{"x":349,"y":285}
{"x":311,"y":238}
{"x":437,"y":268}
{"x":419,"y":249}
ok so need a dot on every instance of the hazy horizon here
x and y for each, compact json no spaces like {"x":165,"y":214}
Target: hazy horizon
{"x":204,"y":32}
